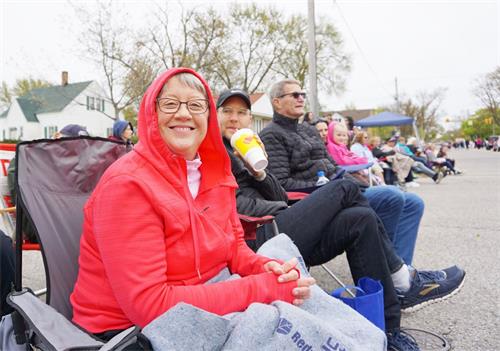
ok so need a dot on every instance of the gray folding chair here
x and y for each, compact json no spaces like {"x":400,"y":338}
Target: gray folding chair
{"x":54,"y":180}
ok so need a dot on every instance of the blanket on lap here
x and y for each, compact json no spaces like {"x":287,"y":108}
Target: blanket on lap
{"x":321,"y":323}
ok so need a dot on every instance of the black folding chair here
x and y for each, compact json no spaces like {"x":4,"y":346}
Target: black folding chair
{"x":54,"y":180}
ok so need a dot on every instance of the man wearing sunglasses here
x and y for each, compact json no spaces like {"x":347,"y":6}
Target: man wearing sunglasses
{"x":296,"y":153}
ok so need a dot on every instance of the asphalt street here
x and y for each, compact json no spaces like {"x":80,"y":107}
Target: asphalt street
{"x":460,"y":226}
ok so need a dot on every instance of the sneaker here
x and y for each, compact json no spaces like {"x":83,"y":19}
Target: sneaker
{"x":412,"y":185}
{"x":401,"y":341}
{"x":431,"y":286}
{"x":437,"y":177}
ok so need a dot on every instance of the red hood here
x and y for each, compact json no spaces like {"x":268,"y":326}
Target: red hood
{"x":216,"y":167}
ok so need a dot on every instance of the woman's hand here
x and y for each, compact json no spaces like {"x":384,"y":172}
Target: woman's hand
{"x":287,"y":272}
{"x":303,"y":290}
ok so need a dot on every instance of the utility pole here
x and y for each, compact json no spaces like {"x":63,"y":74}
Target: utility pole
{"x":313,"y":85}
{"x":396,"y":96}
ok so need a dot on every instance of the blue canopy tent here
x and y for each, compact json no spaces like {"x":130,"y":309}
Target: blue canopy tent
{"x":387,"y":119}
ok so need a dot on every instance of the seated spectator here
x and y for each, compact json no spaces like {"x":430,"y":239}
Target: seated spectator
{"x":419,"y":164}
{"x":333,"y":219}
{"x":296,"y":154}
{"x":171,"y":234}
{"x":6,"y":272}
{"x":123,"y":131}
{"x":450,"y":163}
{"x":360,"y":148}
{"x":349,"y":123}
{"x":412,"y":144}
{"x":71,"y":131}
{"x":337,"y":147}
{"x":322,"y":128}
{"x":439,"y":162}
{"x":308,"y":118}
{"x":400,"y":164}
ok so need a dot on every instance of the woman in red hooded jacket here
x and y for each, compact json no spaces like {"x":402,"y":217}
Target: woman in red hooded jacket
{"x":162,"y":221}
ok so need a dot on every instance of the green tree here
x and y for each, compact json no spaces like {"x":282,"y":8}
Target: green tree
{"x":332,"y":63}
{"x":480,"y":124}
{"x":20,"y":88}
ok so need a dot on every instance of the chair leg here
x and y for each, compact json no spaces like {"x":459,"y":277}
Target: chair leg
{"x":330,"y":273}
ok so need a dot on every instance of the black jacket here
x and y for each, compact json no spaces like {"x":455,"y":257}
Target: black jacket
{"x":296,"y":153}
{"x":256,"y":198}
{"x":378,"y":153}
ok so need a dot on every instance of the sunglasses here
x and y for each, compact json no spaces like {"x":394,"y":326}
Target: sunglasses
{"x":295,"y":95}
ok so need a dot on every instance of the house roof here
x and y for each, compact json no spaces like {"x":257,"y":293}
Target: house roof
{"x":355,"y":114}
{"x":255,"y":97}
{"x":4,"y":113}
{"x":49,"y":99}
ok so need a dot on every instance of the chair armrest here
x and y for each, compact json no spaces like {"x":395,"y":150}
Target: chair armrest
{"x":256,"y":220}
{"x":250,"y":225}
{"x":48,"y":329}
{"x":295,"y":196}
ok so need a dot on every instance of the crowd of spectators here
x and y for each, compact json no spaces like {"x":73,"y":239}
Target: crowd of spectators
{"x":397,"y":161}
{"x":176,"y":234}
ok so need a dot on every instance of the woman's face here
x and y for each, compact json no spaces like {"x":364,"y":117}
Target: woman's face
{"x":365,"y":139}
{"x":340,"y":134}
{"x":323,"y":130}
{"x":127,"y":133}
{"x":182,"y":131}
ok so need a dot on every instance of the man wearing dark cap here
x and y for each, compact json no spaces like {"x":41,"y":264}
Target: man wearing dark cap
{"x":71,"y":130}
{"x":334,"y":219}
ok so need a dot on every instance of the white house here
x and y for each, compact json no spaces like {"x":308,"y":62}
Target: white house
{"x":44,"y":111}
{"x":262,"y":111}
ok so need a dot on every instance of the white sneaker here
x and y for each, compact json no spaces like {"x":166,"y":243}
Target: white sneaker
{"x":412,"y":185}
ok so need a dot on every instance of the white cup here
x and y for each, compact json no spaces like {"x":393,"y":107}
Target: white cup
{"x":250,"y":150}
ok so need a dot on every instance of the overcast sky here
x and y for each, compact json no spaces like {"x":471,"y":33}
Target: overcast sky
{"x":425,"y":44}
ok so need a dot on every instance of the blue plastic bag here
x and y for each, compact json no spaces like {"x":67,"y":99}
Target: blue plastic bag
{"x":369,"y":300}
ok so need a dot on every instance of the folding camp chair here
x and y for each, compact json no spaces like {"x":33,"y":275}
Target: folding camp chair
{"x":54,"y":180}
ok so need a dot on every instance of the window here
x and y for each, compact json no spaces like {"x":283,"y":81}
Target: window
{"x":102,"y":105}
{"x":49,"y":131}
{"x":257,"y":125}
{"x":3,"y":134}
{"x":12,"y":133}
{"x":109,"y":132}
{"x":98,"y":104}
{"x":90,"y":103}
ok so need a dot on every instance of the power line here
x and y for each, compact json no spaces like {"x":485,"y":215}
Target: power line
{"x":361,"y":51}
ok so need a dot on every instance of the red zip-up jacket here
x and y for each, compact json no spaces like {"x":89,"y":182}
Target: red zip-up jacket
{"x":148,"y":245}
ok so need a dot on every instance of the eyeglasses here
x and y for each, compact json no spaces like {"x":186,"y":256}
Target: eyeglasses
{"x":169,"y":105}
{"x":295,"y":95}
{"x":228,"y":112}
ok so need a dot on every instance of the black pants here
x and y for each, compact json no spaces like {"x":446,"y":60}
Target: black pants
{"x":6,"y":271}
{"x":337,"y":218}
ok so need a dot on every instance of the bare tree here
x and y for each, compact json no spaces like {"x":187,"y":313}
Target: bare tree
{"x":108,"y":45}
{"x":332,"y":63}
{"x":424,"y":109}
{"x":487,"y":89}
